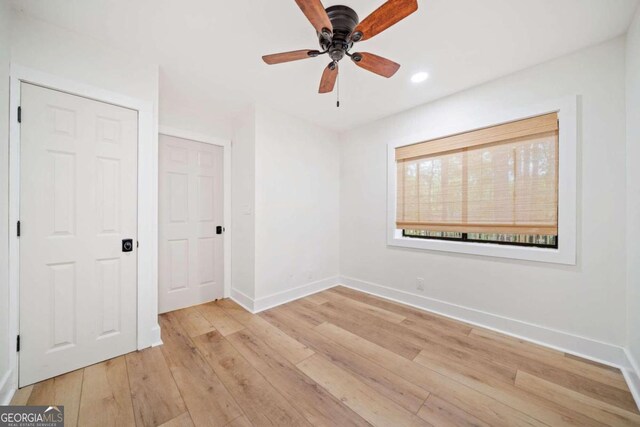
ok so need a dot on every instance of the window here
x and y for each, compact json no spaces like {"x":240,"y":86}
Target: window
{"x":498,"y":184}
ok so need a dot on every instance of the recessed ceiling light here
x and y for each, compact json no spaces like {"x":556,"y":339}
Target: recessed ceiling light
{"x":419,"y":77}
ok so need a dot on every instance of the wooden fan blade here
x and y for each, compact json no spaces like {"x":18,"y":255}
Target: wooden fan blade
{"x":375,"y":64}
{"x":383,"y":17}
{"x":329,"y":76}
{"x":294,"y":55}
{"x":315,"y":13}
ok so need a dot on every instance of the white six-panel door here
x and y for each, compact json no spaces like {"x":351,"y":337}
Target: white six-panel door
{"x":78,"y":200}
{"x":191,"y":207}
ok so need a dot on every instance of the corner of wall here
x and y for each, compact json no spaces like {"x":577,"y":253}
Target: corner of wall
{"x":632,"y":376}
{"x":633,"y":201}
{"x":243,"y":207}
{"x":274,"y":262}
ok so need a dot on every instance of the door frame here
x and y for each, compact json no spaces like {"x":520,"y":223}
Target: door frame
{"x":148,"y":330}
{"x":226,"y":173}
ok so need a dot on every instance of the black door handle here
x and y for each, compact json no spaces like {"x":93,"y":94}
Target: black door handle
{"x":127,"y":245}
{"x":219,"y":229}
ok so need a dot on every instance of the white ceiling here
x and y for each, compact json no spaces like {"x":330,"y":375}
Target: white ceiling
{"x":209,"y":51}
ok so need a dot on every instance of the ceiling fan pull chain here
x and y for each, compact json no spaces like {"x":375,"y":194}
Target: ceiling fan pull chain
{"x":338,"y":93}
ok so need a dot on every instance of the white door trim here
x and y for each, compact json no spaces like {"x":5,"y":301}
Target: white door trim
{"x":148,"y":330}
{"x":226,"y":145}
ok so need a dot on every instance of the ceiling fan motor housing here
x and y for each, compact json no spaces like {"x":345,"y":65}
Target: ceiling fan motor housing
{"x":344,"y":20}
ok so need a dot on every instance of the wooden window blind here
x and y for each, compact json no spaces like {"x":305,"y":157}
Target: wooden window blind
{"x":500,"y":179}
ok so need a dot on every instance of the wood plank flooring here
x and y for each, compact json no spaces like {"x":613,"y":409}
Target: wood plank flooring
{"x":337,"y":358}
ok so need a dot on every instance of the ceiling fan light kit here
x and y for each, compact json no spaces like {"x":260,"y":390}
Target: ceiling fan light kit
{"x":338,"y":28}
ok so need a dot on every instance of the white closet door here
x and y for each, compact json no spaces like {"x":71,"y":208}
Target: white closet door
{"x":78,"y":201}
{"x":191,"y":207}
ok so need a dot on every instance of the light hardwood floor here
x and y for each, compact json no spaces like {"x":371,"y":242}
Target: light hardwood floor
{"x":337,"y":358}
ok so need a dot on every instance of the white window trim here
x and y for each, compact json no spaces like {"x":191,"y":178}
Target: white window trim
{"x":567,"y":188}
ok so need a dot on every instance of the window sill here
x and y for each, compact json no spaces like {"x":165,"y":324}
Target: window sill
{"x":549,"y":255}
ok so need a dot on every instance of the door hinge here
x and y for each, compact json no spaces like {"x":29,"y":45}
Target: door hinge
{"x":18,"y":343}
{"x":19,"y":114}
{"x":18,"y":229}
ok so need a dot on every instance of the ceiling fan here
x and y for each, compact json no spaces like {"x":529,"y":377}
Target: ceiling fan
{"x":338,"y":28}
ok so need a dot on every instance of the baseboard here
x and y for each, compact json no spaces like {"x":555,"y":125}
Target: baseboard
{"x":264,"y":303}
{"x":156,"y":335}
{"x":242,"y":299}
{"x":632,"y":375}
{"x":273,"y":300}
{"x":7,"y":387}
{"x":569,"y":343}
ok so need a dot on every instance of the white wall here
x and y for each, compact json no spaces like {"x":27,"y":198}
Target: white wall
{"x":5,"y":341}
{"x":191,"y":118}
{"x":587,"y":300}
{"x":297,"y":203}
{"x":63,"y":53}
{"x":243,"y":182}
{"x":285,"y":208}
{"x":633,"y":188}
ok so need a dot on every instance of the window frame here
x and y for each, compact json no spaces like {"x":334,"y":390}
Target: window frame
{"x":565,"y":253}
{"x":465,"y":238}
